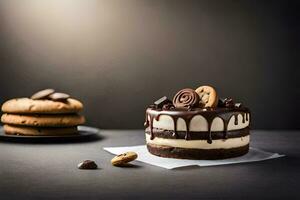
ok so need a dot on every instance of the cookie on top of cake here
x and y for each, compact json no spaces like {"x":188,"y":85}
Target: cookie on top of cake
{"x":45,"y":113}
{"x":196,"y":124}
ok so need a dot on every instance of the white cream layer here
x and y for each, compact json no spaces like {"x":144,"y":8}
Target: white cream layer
{"x":200,"y":144}
{"x":199,"y":123}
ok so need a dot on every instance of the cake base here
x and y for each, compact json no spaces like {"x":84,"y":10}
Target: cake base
{"x":196,"y":154}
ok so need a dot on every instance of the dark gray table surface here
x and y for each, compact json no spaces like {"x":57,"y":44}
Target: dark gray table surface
{"x":48,"y":171}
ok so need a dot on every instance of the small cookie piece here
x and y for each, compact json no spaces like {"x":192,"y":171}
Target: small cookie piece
{"x":124,"y":158}
{"x":38,"y":131}
{"x":186,"y":98}
{"x":41,"y":106}
{"x":87,"y":164}
{"x":43,"y":94}
{"x":43,"y":120}
{"x":58,"y":96}
{"x":208,"y":96}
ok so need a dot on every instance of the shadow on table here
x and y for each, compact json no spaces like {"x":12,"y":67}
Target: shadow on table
{"x":54,"y":140}
{"x":129,"y":165}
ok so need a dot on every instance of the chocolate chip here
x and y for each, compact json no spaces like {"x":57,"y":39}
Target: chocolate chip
{"x":43,"y":94}
{"x":87,"y":164}
{"x":162,"y":101}
{"x":57,"y":96}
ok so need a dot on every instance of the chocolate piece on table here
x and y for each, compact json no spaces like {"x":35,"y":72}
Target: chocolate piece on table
{"x":162,"y":101}
{"x":43,"y":94}
{"x":57,"y":96}
{"x":87,"y":164}
{"x":186,"y":98}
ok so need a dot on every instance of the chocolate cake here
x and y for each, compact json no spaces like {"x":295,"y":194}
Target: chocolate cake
{"x":197,"y":125}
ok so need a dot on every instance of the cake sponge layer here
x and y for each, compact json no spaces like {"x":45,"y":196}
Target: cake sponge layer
{"x":200,"y":144}
{"x":200,"y":154}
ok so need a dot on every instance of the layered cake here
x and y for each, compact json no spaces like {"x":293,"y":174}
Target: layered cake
{"x":45,"y":113}
{"x":197,"y":125}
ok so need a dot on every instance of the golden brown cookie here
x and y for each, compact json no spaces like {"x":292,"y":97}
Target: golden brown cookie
{"x":38,"y":131}
{"x":43,"y":120}
{"x":208,"y":96}
{"x":41,"y":106}
{"x":124,"y":158}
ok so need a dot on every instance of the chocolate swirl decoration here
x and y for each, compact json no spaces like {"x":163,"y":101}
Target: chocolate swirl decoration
{"x":186,"y":98}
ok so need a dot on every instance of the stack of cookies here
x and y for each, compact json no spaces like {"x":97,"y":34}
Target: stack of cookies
{"x":46,"y":113}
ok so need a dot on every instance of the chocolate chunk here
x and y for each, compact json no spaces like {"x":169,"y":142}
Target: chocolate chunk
{"x":87,"y":164}
{"x":221,"y":103}
{"x":168,"y":106}
{"x":57,"y":96}
{"x":162,"y":101}
{"x":43,"y":94}
{"x":238,"y":105}
{"x":227,"y":103}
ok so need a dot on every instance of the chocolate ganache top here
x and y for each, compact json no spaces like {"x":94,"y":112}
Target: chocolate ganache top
{"x":225,"y":109}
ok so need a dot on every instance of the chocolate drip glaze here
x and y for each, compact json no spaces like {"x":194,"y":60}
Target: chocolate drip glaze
{"x":151,"y":127}
{"x":235,"y":119}
{"x":175,"y":125}
{"x":146,"y":124}
{"x":209,"y":114}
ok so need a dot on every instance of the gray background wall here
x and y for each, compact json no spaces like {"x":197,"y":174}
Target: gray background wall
{"x":119,"y":56}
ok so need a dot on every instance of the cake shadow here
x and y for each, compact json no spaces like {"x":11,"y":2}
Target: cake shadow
{"x":129,"y":165}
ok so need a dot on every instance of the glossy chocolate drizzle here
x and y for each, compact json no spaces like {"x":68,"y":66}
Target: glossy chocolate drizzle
{"x":209,"y":114}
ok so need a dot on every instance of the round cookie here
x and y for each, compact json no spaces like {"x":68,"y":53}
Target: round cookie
{"x":123,"y":158}
{"x":37,"y":131}
{"x":43,"y":120}
{"x":208,"y":96}
{"x":42,"y":106}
